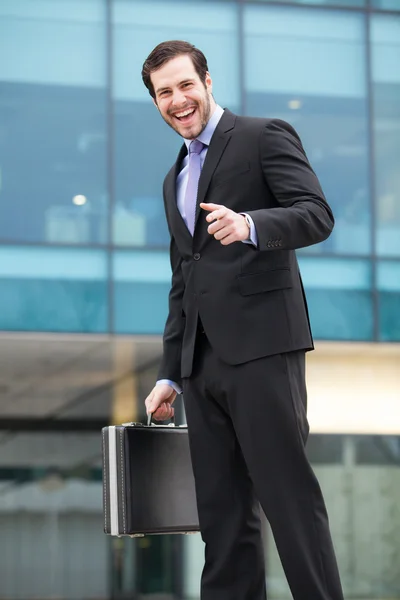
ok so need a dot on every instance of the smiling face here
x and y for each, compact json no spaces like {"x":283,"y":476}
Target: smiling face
{"x":184,"y":101}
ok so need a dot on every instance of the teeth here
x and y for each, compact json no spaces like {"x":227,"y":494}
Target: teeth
{"x":185,"y":113}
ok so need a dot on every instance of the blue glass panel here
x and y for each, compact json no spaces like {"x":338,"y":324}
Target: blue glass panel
{"x":140,"y":307}
{"x":308,"y":67}
{"x":339,"y":298}
{"x":45,"y":289}
{"x":385,"y":35}
{"x":145,"y":147}
{"x":386,"y":4}
{"x":389,"y":300}
{"x":142,"y":281}
{"x":53,"y":122}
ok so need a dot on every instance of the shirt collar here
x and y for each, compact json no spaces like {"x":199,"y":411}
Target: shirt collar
{"x":207,"y":133}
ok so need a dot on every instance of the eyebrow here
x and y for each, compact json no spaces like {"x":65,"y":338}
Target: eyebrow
{"x":159,"y":90}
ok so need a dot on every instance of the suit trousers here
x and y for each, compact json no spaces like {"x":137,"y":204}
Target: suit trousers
{"x":247,"y":432}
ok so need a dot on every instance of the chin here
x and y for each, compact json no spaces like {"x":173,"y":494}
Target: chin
{"x":192,"y":132}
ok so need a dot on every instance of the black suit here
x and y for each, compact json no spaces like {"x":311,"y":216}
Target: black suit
{"x":242,"y":368}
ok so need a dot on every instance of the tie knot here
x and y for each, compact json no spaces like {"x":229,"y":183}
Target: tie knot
{"x":196,"y":147}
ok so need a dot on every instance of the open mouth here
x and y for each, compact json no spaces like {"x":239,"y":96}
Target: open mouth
{"x":185,"y":116}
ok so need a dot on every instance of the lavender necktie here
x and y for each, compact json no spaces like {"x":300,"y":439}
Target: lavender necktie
{"x":193,"y":183}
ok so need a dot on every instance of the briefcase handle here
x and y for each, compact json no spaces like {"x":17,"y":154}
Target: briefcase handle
{"x":150,"y":417}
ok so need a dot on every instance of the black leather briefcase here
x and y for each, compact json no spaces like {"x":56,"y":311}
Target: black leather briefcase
{"x":148,"y":484}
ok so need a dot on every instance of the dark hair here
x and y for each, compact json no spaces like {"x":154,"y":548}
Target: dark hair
{"x":165,"y":52}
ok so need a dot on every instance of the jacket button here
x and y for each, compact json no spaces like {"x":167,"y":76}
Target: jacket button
{"x":196,"y":256}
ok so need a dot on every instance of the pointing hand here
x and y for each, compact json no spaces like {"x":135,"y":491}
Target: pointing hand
{"x":226,"y":226}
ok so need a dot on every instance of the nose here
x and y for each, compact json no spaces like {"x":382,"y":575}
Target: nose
{"x":178,"y":98}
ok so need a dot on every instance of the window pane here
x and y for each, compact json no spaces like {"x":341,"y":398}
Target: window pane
{"x":45,"y":289}
{"x":389,"y":300}
{"x":52,"y":121}
{"x":339,"y":298}
{"x":386,"y":4}
{"x":385,"y":35}
{"x":307,"y":67}
{"x":142,"y":281}
{"x":145,"y":147}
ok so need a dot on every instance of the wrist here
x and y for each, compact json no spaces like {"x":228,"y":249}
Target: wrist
{"x":248,"y":224}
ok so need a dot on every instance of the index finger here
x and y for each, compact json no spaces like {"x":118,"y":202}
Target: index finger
{"x":210,"y":206}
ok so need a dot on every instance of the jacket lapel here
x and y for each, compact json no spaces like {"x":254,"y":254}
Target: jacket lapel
{"x":171,"y":199}
{"x":215,"y":151}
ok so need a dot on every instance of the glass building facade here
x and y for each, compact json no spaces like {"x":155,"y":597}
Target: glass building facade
{"x":84,"y":250}
{"x":77,"y":121}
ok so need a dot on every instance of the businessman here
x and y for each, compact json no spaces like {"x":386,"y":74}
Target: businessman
{"x":239,"y":200}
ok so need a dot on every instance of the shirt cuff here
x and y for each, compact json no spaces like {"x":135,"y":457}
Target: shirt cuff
{"x":253,"y":238}
{"x":172,"y":384}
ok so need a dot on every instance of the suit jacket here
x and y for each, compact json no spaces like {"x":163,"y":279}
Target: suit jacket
{"x":250,"y":300}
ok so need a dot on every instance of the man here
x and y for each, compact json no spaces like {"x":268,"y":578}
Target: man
{"x":238,"y":329}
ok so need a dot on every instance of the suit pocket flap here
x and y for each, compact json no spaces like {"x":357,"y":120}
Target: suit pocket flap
{"x":264,"y":281}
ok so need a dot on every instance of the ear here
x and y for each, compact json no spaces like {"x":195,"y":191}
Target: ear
{"x":208,"y":83}
{"x":155,"y":103}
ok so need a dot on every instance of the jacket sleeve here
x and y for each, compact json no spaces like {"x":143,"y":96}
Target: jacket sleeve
{"x":170,"y":367}
{"x":303,"y":216}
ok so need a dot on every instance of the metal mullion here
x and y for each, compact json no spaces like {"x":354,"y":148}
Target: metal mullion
{"x":382,"y":11}
{"x":372,"y":178}
{"x":306,"y":6}
{"x":110,"y":164}
{"x":367,"y":8}
{"x":40,"y":244}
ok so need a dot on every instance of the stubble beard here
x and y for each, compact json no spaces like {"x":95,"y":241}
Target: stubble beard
{"x":204,"y":110}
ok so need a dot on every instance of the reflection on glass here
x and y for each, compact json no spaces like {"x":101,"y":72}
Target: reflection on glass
{"x":385,"y":34}
{"x":145,"y":147}
{"x":53,"y":122}
{"x":308,"y":67}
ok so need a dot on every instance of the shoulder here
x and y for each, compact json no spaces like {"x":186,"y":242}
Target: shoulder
{"x":271,"y":135}
{"x":260,"y":125}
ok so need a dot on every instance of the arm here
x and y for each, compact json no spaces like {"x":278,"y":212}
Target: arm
{"x":173,"y":332}
{"x":159,"y":401}
{"x":303,"y":217}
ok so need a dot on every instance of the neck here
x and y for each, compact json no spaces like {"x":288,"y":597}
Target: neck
{"x":213,"y":106}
